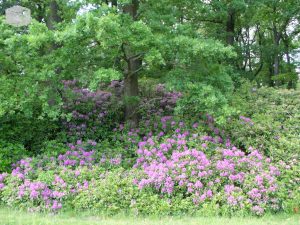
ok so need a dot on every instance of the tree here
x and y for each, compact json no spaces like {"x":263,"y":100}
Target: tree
{"x":113,"y":40}
{"x":280,"y":23}
{"x":134,"y":65}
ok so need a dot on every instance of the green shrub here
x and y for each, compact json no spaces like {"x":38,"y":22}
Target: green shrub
{"x":115,"y":192}
{"x":53,"y":148}
{"x":31,"y":132}
{"x":9,"y":154}
{"x":289,"y":185}
{"x":275,"y":121}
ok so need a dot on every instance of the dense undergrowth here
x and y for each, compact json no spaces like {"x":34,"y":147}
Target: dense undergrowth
{"x":169,"y":165}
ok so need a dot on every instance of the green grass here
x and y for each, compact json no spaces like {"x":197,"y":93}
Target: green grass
{"x":16,"y":217}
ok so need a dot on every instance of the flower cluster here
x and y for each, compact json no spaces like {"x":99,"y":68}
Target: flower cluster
{"x":89,"y":110}
{"x":162,"y":103}
{"x":70,"y":173}
{"x":39,"y":191}
{"x":246,"y":120}
{"x":201,"y":167}
{"x":2,"y":177}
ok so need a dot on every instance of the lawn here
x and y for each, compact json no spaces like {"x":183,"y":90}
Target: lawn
{"x":15,"y":217}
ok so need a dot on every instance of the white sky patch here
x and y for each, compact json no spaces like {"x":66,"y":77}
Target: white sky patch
{"x":86,"y":9}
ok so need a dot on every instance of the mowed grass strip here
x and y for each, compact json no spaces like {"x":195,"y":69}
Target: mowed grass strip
{"x":16,"y":217}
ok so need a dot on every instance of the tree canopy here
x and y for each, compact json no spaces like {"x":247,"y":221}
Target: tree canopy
{"x":204,"y":46}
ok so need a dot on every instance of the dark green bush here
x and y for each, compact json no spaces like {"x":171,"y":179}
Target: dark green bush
{"x":9,"y":154}
{"x":30,"y":132}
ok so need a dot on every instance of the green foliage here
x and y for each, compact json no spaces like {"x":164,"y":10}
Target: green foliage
{"x":53,"y":148}
{"x":274,"y":121}
{"x":201,"y":98}
{"x":27,"y":131}
{"x":104,"y":76}
{"x":287,"y":78}
{"x":94,"y":48}
{"x":116,"y":193}
{"x":290,"y":185}
{"x":206,"y":88}
{"x":9,"y":154}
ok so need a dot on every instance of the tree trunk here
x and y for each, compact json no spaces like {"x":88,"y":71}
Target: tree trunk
{"x":271,"y":71}
{"x":249,"y":50}
{"x":131,"y":93}
{"x":288,"y":60}
{"x":230,"y":27}
{"x":114,"y":3}
{"x":261,"y":59}
{"x":134,"y":64}
{"x":276,"y":64}
{"x":53,"y":17}
{"x":276,"y":54}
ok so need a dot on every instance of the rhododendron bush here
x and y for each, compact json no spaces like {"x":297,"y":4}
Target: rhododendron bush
{"x":172,"y":161}
{"x":93,"y":114}
{"x":88,"y":113}
{"x":274,"y":124}
{"x":208,"y":172}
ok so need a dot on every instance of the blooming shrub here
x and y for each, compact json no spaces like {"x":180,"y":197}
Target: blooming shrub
{"x":93,"y":114}
{"x":45,"y":183}
{"x":179,"y":168}
{"x":115,"y":192}
{"x":200,"y":167}
{"x":158,"y":102}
